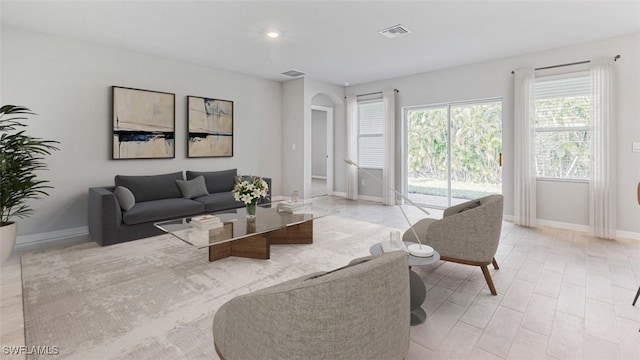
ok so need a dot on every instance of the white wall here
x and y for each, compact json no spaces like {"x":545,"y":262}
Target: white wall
{"x":293,"y":136}
{"x":68,"y":83}
{"x":559,"y":202}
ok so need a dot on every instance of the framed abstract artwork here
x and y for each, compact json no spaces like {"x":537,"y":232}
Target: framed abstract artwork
{"x":210,"y":127}
{"x":143,"y":124}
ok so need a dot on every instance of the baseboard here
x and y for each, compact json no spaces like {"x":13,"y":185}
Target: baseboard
{"x":576,"y":227}
{"x":563,"y":225}
{"x":52,"y":235}
{"x":370,"y":198}
{"x":360,"y":197}
{"x":319,"y":177}
{"x":628,"y":235}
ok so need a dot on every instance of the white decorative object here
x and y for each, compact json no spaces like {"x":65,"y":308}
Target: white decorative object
{"x":289,"y":206}
{"x":394,"y":243}
{"x":8,"y":234}
{"x":395,"y":238}
{"x":420,"y":250}
{"x":206,"y":222}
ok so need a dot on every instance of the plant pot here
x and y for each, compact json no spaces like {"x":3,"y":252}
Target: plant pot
{"x":8,"y":234}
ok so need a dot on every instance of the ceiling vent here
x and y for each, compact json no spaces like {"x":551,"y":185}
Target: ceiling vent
{"x":395,"y":31}
{"x":293,"y":73}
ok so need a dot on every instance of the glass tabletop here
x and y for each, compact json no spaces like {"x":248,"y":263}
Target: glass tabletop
{"x":236,"y":225}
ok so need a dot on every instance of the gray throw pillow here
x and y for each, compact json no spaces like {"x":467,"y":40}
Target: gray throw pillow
{"x":193,"y":188}
{"x":125,"y":198}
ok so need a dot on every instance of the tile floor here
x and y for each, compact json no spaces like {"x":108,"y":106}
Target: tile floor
{"x":561,"y":295}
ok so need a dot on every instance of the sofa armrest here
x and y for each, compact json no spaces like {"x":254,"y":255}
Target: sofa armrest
{"x":105,"y":215}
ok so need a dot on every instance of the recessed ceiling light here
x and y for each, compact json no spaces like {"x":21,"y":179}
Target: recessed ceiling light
{"x":273,"y":34}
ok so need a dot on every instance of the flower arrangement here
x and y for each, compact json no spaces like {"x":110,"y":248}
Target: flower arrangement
{"x":249,"y":190}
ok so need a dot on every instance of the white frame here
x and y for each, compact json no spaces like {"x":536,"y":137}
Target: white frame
{"x":329,"y":112}
{"x":572,"y":74}
{"x":405,"y":139}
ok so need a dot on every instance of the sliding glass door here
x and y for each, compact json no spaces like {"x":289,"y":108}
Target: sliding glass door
{"x":453,"y":152}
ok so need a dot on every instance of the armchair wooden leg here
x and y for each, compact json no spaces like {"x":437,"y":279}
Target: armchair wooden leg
{"x":487,"y":277}
{"x":636,"y":299}
{"x":495,"y":264}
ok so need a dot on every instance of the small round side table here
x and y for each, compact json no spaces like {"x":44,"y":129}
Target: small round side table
{"x":416,"y":285}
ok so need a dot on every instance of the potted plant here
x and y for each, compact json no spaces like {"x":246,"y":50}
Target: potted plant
{"x":21,"y":157}
{"x":249,"y":190}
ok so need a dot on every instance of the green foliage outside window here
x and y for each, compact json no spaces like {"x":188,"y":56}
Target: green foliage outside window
{"x":562,"y":137}
{"x":476,"y":142}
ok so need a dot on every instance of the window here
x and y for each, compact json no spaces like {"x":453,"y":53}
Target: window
{"x":562,"y":127}
{"x":370,"y":135}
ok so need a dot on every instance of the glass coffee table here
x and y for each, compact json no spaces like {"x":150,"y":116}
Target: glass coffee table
{"x":248,"y":237}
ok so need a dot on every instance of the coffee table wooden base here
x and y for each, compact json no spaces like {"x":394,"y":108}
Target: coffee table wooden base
{"x":258,"y":246}
{"x":255,"y":247}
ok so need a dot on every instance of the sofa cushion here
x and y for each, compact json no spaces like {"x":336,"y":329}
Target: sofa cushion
{"x":193,"y":188}
{"x":164,"y":209}
{"x":219,"y":201}
{"x":217,"y":181}
{"x":125,"y":197}
{"x":152,"y":187}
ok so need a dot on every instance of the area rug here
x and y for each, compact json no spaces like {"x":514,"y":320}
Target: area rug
{"x":155,"y":298}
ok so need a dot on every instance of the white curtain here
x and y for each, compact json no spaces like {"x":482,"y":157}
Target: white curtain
{"x":602,"y":205}
{"x":388,"y":171}
{"x":352,"y":147}
{"x":524,"y":161}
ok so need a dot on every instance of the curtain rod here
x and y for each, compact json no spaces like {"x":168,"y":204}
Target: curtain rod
{"x":568,"y":64}
{"x":374,"y":93}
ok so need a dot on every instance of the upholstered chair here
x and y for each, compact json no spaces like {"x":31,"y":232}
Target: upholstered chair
{"x":360,"y":311}
{"x":468,"y":233}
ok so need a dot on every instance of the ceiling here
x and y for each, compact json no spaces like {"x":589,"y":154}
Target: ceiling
{"x":333,"y":41}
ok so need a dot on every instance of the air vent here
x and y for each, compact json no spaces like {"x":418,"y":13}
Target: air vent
{"x":293,"y":73}
{"x":395,"y":31}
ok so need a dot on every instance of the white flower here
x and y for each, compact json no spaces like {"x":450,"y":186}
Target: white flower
{"x":247,"y":199}
{"x":250,"y":190}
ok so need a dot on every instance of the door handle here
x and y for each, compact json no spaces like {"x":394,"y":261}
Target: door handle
{"x":500,"y":159}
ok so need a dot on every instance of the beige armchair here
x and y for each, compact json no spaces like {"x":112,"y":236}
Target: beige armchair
{"x":360,"y":311}
{"x":468,"y":233}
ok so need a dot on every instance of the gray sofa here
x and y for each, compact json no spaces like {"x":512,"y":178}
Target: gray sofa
{"x":360,"y":311}
{"x":157,"y":198}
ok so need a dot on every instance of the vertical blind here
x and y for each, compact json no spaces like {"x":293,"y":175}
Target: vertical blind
{"x":370,"y":135}
{"x":562,"y":127}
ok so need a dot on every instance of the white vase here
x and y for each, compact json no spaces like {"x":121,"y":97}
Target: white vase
{"x":8,"y":234}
